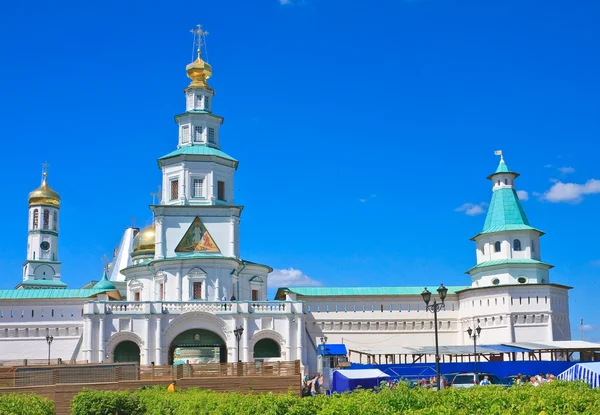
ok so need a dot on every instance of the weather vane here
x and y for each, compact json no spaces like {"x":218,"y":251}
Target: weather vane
{"x":44,"y":170}
{"x":499,"y":153}
{"x":199,"y":41}
{"x":105,"y":260}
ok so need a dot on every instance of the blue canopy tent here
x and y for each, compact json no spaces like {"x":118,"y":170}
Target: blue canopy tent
{"x":587,"y":372}
{"x":349,"y":379}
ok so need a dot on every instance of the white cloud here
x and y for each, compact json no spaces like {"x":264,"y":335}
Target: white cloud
{"x":566,"y":170}
{"x":587,"y":327}
{"x":366,"y":199}
{"x":523,"y":195}
{"x":471,"y":209}
{"x":548,"y":166}
{"x":362,"y":200}
{"x":285,"y":2}
{"x":290,"y":278}
{"x":571,"y":192}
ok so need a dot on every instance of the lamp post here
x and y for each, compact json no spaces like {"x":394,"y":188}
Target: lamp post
{"x":238,"y":336}
{"x":474,"y":336}
{"x":323,"y":343}
{"x":434,"y":308}
{"x":49,"y":340}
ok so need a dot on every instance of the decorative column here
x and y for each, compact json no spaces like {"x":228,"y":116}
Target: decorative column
{"x":146,"y":356}
{"x":232,"y":237}
{"x":245,"y":341}
{"x":216,"y":296}
{"x":178,"y":285}
{"x":159,"y":246}
{"x":158,"y":357}
{"x":299,"y":339}
{"x":89,"y":342}
{"x":101,"y":338}
{"x":288,"y":339}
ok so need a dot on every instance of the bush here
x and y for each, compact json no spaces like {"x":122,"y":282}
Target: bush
{"x":557,"y":398}
{"x":90,"y":402}
{"x":25,"y":404}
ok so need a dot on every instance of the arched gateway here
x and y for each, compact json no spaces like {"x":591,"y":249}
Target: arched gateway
{"x":197,"y":346}
{"x":127,"y":351}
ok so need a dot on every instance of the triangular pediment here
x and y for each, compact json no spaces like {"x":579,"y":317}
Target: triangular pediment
{"x":197,"y":239}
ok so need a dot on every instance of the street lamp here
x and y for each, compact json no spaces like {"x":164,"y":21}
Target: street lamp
{"x":323,"y":343}
{"x":238,"y":336}
{"x":434,"y":308}
{"x":474,"y":336}
{"x":49,"y":340}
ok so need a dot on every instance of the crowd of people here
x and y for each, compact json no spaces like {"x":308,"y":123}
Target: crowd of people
{"x":312,"y":386}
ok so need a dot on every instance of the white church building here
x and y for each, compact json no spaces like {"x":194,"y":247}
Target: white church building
{"x":178,"y":290}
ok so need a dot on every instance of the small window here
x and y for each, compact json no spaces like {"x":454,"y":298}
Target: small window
{"x":198,"y":189}
{"x":495,"y":281}
{"x":36,"y":219}
{"x":497,"y":246}
{"x":197,"y":290}
{"x":517,"y":245}
{"x":211,"y":135}
{"x":207,"y":103}
{"x":161,"y":291}
{"x":136,"y":296}
{"x":221,"y":190}
{"x":174,"y":189}
{"x":254,"y":295}
{"x":532,"y":246}
{"x":522,"y":280}
{"x":199,"y":101}
{"x":55,"y":220}
{"x":498,"y":182}
{"x":185,"y":134}
{"x":198,"y":133}
{"x":46,"y":219}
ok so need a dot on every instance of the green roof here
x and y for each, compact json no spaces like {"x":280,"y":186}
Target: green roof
{"x":503,"y":168}
{"x":505,"y":213}
{"x":199,"y":150}
{"x":47,"y":294}
{"x":104,"y":284}
{"x":42,"y":283}
{"x":512,"y":261}
{"x":361,"y":291}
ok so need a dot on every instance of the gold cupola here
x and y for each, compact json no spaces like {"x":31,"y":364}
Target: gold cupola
{"x":44,"y":195}
{"x":144,"y":242}
{"x":199,"y":71}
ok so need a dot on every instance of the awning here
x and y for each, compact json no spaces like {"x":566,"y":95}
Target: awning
{"x":333,"y":349}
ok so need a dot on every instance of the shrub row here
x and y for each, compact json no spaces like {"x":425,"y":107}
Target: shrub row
{"x":25,"y":404}
{"x":557,"y":398}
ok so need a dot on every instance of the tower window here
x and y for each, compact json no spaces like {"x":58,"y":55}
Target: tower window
{"x":211,"y":135}
{"x":498,"y":182}
{"x":46,"y":219}
{"x":36,"y":219}
{"x":505,"y":181}
{"x":522,"y":280}
{"x":254,"y":295}
{"x":207,"y":103}
{"x":185,"y":134}
{"x":161,"y":291}
{"x":198,"y":133}
{"x":532,"y":246}
{"x":174,"y":189}
{"x":197,"y":290}
{"x":136,"y":296}
{"x":517,"y":245}
{"x":198,"y":188}
{"x":221,"y":190}
{"x":497,"y":246}
{"x":199,"y":101}
{"x":55,"y":221}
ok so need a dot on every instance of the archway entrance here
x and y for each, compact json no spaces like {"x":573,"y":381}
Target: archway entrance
{"x":266,"y":348}
{"x":197,"y":346}
{"x":127,"y":351}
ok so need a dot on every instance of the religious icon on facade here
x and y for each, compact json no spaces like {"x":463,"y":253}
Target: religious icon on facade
{"x":197,"y":239}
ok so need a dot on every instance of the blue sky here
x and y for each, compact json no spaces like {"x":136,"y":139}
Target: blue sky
{"x":362,"y":128}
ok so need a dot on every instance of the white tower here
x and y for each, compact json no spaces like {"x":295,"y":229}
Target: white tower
{"x":42,"y":268}
{"x":197,"y":178}
{"x":508,"y":247}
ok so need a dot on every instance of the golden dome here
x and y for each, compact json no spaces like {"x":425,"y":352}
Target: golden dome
{"x":199,"y":71}
{"x":43,"y":195}
{"x":144,"y":241}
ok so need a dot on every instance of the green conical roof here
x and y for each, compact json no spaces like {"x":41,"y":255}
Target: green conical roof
{"x":104,"y":284}
{"x":503,"y":168}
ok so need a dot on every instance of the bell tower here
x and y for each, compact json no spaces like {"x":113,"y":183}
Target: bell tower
{"x":42,"y":268}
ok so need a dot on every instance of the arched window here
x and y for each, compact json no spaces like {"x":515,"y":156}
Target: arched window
{"x":55,"y":221}
{"x":517,"y":245}
{"x":46,"y":219}
{"x":36,"y":219}
{"x":505,"y":181}
{"x":497,"y":246}
{"x":532,"y":246}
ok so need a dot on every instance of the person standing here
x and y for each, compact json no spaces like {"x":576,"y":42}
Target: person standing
{"x":485,"y":381}
{"x":315,"y":387}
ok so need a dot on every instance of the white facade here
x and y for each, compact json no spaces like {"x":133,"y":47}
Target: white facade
{"x":184,"y":275}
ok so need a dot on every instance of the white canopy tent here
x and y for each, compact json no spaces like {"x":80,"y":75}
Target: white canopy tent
{"x":588,"y":372}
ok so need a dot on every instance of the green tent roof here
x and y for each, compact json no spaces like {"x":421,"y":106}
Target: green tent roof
{"x":42,"y":283}
{"x":104,"y":284}
{"x":512,"y":261}
{"x":503,"y":168}
{"x":47,"y":294}
{"x":361,"y":291}
{"x":506,"y":213}
{"x":199,"y":150}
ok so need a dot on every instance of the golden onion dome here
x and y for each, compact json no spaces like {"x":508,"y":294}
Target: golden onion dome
{"x":144,"y":241}
{"x":44,"y":195}
{"x":199,"y":71}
